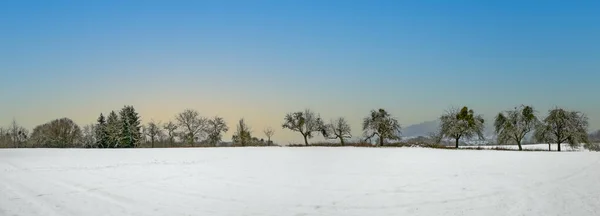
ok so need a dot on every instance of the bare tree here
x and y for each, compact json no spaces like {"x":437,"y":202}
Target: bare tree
{"x":5,"y":138}
{"x":513,"y":125}
{"x":216,"y":127}
{"x":192,"y":125}
{"x":380,"y":123}
{"x":59,"y":133}
{"x":243,"y":135}
{"x":153,"y":130}
{"x":144,"y":130}
{"x":306,"y":123}
{"x":338,"y":129}
{"x":88,"y":139}
{"x":562,"y":126}
{"x":269,"y":132}
{"x":171,"y":129}
{"x":18,"y":134}
{"x":463,"y":123}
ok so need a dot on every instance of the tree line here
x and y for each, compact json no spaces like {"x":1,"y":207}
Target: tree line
{"x":190,"y":129}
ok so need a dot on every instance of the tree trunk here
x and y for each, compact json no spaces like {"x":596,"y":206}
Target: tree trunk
{"x":342,"y":141}
{"x":519,"y":143}
{"x":549,"y":146}
{"x":153,"y":143}
{"x":558,"y":146}
{"x":305,"y":140}
{"x":380,"y":141}
{"x":457,"y":142}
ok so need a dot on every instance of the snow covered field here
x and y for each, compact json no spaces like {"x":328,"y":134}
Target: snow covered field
{"x":297,"y":181}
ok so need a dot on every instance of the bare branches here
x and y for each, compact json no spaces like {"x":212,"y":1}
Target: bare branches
{"x":462,"y":123}
{"x":513,"y":125}
{"x":171,"y":129}
{"x":243,"y":135}
{"x":192,"y":125}
{"x":216,"y":126}
{"x":306,"y":123}
{"x":269,"y":132}
{"x":380,"y":123}
{"x":153,"y":130}
{"x":88,"y":136}
{"x":59,"y":133}
{"x":18,"y":134}
{"x":562,"y":126}
{"x":338,"y":129}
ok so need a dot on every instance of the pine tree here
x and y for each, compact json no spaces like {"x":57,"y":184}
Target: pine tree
{"x":113,"y":126}
{"x":101,"y":133}
{"x":130,"y":128}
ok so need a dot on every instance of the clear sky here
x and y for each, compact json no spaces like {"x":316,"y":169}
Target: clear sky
{"x":262,"y":59}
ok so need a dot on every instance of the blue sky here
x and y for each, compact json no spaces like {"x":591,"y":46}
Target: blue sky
{"x":262,"y":59}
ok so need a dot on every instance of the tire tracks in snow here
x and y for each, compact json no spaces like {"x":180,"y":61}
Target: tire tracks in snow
{"x":28,"y":201}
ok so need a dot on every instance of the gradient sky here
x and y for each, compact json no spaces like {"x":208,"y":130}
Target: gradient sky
{"x":262,"y":59}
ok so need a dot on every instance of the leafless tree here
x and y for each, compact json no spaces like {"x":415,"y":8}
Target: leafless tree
{"x":269,"y":132}
{"x":562,"y":126}
{"x":243,"y":135}
{"x":192,"y":125}
{"x":216,"y":127}
{"x":5,"y":138}
{"x":59,"y":133}
{"x":18,"y":134}
{"x":144,"y":131}
{"x":306,"y":123}
{"x":171,"y":129}
{"x":88,"y":139}
{"x":338,"y":129}
{"x":153,"y":130}
{"x":513,"y":125}
{"x":463,"y":123}
{"x":381,"y":124}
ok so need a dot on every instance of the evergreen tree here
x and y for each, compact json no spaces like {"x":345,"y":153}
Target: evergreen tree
{"x":113,"y":129}
{"x":101,"y":133}
{"x":130,"y":128}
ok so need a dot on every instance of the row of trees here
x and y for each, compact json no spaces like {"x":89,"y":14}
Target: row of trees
{"x":189,"y":128}
{"x":511,"y":126}
{"x":124,"y":130}
{"x":379,"y":124}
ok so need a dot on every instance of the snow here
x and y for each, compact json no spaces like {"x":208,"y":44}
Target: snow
{"x":282,"y":181}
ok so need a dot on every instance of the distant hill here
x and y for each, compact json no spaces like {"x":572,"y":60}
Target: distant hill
{"x":421,"y":129}
{"x":425,"y":128}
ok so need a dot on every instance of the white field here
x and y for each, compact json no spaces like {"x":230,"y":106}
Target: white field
{"x":281,"y":181}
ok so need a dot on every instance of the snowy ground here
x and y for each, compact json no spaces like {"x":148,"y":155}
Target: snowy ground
{"x":297,"y":181}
